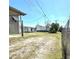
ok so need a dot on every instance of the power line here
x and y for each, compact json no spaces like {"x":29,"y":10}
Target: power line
{"x":44,"y":14}
{"x":25,"y":1}
{"x":41,"y":9}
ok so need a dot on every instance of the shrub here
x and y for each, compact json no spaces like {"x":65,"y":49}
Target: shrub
{"x":54,"y":28}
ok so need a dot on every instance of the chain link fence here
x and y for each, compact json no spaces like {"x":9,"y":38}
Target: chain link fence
{"x":66,"y":42}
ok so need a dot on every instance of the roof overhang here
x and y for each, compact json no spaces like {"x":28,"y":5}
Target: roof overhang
{"x":17,"y":11}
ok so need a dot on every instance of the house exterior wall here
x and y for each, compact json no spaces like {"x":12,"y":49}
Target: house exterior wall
{"x":25,"y":29}
{"x":29,"y":29}
{"x":19,"y":25}
{"x":33,"y":29}
{"x":48,"y":26}
{"x":40,"y":28}
{"x":13,"y":26}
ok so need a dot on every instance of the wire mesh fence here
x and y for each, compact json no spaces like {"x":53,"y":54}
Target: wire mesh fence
{"x":66,"y":43}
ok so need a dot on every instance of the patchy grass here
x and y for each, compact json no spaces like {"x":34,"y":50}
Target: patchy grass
{"x":58,"y":47}
{"x":57,"y":54}
{"x":13,"y":40}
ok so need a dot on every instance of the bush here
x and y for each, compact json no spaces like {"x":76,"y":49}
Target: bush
{"x":54,"y":28}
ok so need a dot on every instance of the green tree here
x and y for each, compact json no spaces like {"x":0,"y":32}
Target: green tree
{"x":54,"y":27}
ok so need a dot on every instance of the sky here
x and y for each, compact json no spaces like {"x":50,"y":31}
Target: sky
{"x":55,"y":10}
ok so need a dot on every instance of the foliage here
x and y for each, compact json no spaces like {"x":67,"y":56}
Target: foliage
{"x":54,"y":28}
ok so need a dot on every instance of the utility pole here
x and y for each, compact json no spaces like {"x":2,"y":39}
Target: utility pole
{"x":22,"y":28}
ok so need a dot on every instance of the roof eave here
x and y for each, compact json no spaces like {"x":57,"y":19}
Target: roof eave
{"x":18,"y":11}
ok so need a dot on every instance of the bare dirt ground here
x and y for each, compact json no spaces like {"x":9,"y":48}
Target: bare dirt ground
{"x":43,"y":47}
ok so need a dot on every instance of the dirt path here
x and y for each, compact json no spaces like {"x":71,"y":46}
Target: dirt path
{"x":33,"y":48}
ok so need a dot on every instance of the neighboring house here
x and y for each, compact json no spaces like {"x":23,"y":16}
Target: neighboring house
{"x":43,"y":28}
{"x":25,"y":29}
{"x":40,"y":28}
{"x":15,"y":20}
{"x":48,"y":26}
{"x":33,"y":29}
{"x":29,"y":29}
{"x":66,"y":40}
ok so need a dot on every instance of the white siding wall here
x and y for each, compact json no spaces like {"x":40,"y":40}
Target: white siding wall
{"x":19,"y":25}
{"x":13,"y":26}
{"x":39,"y":28}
